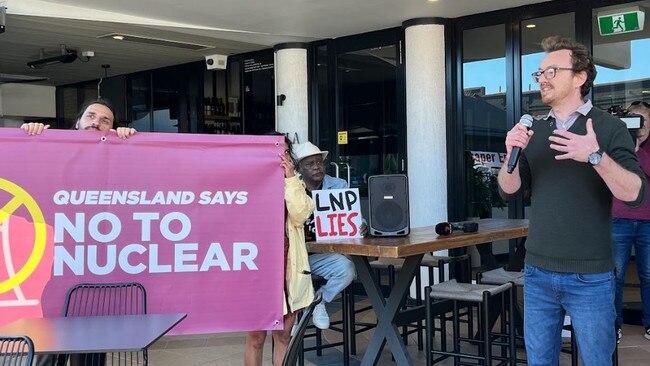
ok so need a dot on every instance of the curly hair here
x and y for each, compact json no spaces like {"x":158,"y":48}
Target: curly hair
{"x":581,"y":58}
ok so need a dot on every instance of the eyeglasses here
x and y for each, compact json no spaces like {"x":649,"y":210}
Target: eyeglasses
{"x":311,"y":164}
{"x":549,"y":73}
{"x":640,"y":102}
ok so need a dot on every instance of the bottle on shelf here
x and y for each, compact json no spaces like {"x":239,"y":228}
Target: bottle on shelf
{"x":222,"y":107}
{"x":213,"y":105}
{"x":206,"y":107}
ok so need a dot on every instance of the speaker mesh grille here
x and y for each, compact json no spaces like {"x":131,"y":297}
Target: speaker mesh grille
{"x":389,"y":215}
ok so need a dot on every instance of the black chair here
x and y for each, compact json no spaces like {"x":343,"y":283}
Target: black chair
{"x":295,"y":343}
{"x":16,"y":351}
{"x":102,"y":299}
{"x":342,"y":326}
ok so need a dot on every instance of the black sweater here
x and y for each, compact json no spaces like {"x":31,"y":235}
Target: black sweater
{"x":570,"y":219}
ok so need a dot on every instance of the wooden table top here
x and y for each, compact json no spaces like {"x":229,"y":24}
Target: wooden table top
{"x":424,"y":240}
{"x":93,"y":334}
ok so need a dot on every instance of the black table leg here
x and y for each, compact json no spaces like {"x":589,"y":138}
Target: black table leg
{"x":386,"y":311}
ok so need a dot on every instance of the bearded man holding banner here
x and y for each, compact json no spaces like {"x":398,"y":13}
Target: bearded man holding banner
{"x":96,"y":115}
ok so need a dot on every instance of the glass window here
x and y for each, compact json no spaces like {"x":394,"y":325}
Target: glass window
{"x":140,"y":102}
{"x":68,"y":106}
{"x":166,"y":101}
{"x":259,"y":93}
{"x":69,"y":99}
{"x":621,"y":55}
{"x":326,"y":128}
{"x":484,"y":116}
{"x":532,"y":33}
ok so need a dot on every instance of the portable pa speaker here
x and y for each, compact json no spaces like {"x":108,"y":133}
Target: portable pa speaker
{"x":389,"y":205}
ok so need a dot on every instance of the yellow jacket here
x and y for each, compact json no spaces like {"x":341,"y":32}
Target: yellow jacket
{"x":299,"y":292}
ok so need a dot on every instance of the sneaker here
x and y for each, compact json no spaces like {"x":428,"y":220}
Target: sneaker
{"x":320,"y":318}
{"x":619,"y":335}
{"x":647,"y":333}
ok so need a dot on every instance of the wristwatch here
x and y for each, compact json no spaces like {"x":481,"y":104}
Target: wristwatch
{"x":595,"y":157}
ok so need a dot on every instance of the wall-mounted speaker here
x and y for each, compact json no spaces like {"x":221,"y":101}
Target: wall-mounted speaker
{"x":389,"y":205}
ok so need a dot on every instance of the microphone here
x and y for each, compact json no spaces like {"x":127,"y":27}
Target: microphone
{"x":446,"y":228}
{"x":527,"y":121}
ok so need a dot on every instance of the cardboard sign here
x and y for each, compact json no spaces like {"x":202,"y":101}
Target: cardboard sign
{"x":337,"y":214}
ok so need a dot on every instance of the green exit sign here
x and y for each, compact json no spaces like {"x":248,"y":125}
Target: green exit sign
{"x":624,"y":22}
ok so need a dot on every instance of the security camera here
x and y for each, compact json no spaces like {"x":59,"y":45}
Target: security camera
{"x":218,"y":62}
{"x":3,"y":19}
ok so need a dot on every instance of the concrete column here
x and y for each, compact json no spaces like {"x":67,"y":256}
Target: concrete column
{"x":426,"y":120}
{"x":426,"y":131}
{"x":292,"y":116}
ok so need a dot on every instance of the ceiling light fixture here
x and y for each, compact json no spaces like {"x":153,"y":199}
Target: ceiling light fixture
{"x":531,"y":26}
{"x":155,"y":41}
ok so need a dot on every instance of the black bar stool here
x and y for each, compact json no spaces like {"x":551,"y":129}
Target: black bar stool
{"x":432,"y":262}
{"x":500,"y":276}
{"x":462,"y":294}
{"x":342,"y":326}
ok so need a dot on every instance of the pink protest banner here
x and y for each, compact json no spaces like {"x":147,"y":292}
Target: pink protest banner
{"x":197,"y":219}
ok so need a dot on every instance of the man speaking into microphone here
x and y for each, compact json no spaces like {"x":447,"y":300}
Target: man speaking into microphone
{"x":573,"y":161}
{"x":526,"y":121}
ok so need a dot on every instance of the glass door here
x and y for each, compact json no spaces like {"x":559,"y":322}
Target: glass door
{"x":358,"y":113}
{"x":358,"y":99}
{"x":367,"y":113}
{"x":485,"y":123}
{"x":484,"y":117}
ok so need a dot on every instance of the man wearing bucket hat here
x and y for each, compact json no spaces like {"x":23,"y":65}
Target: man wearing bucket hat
{"x":337,"y":269}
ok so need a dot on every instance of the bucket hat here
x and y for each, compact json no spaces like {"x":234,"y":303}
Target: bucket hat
{"x":301,"y":151}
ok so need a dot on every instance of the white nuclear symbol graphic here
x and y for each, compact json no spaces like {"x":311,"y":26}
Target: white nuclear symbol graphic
{"x":6,"y":252}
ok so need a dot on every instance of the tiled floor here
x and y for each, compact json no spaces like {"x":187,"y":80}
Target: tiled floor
{"x":228,"y":349}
